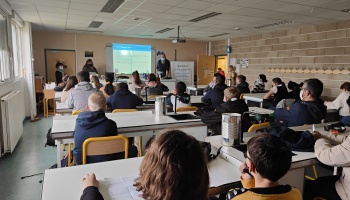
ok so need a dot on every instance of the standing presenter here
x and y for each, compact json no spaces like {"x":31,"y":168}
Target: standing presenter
{"x":163,"y":67}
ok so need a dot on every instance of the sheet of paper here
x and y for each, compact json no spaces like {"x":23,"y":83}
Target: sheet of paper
{"x":121,"y":188}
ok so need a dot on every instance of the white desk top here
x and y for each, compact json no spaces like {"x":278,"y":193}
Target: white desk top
{"x":65,"y":183}
{"x":258,"y":97}
{"x":260,"y":110}
{"x":125,"y":121}
{"x":58,"y":95}
{"x":194,"y":99}
{"x":199,"y":87}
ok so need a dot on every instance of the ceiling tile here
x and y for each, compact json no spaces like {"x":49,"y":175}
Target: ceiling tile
{"x":168,"y":16}
{"x":82,"y":12}
{"x":143,"y":13}
{"x":221,"y":8}
{"x":270,"y":5}
{"x":181,"y":11}
{"x":50,"y":15}
{"x":293,"y":8}
{"x":244,"y":3}
{"x":52,"y":3}
{"x":51,"y":9}
{"x":166,"y":2}
{"x":23,"y":6}
{"x":81,"y":17}
{"x":83,"y":6}
{"x":154,"y":7}
{"x":131,"y":4}
{"x":194,"y":4}
{"x":93,"y":2}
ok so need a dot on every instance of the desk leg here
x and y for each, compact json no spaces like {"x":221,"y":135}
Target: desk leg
{"x":335,"y":171}
{"x":59,"y":143}
{"x":261,"y":104}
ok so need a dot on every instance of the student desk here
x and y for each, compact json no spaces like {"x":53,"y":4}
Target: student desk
{"x":195,"y":89}
{"x":260,"y":110}
{"x":66,"y":183}
{"x":300,"y":161}
{"x":255,"y":97}
{"x":129,"y":124}
{"x":195,"y":100}
{"x":62,"y":108}
{"x":58,"y":96}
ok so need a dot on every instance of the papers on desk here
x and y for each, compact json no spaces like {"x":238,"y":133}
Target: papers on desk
{"x":121,"y":188}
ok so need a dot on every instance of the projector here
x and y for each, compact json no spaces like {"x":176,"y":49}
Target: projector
{"x":178,"y":40}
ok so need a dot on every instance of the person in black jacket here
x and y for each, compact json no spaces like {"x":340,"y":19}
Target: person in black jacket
{"x":163,"y":66}
{"x":232,"y":104}
{"x":59,"y":73}
{"x":295,"y":90}
{"x":242,"y":85}
{"x":89,"y":66}
{"x":215,"y":96}
{"x":94,"y":123}
{"x":123,"y":98}
{"x":90,"y":188}
{"x":310,"y":110}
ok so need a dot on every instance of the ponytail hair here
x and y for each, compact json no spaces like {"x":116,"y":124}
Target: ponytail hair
{"x":109,"y":89}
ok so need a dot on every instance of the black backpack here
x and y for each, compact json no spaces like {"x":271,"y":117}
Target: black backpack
{"x":49,"y":140}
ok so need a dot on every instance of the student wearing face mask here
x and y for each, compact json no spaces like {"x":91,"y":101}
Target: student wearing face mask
{"x":59,"y":73}
{"x":163,"y":66}
{"x":310,"y":110}
{"x":89,"y":66}
{"x":259,"y":84}
{"x":278,"y":90}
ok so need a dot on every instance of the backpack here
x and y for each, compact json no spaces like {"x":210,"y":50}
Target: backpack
{"x":49,"y":140}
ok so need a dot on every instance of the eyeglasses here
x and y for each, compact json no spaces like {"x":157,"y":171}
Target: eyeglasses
{"x":246,"y":170}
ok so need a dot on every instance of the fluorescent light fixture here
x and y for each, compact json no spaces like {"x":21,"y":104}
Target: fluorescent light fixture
{"x":210,"y":15}
{"x":274,"y":24}
{"x":95,"y":24}
{"x":346,"y":10}
{"x":112,"y":5}
{"x":164,"y":30}
{"x":218,"y":35}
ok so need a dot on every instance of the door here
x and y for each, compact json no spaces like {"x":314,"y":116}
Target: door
{"x":67,"y":57}
{"x":205,"y":69}
{"x":221,"y":62}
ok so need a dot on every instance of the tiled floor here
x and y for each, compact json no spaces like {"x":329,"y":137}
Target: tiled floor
{"x":31,"y":157}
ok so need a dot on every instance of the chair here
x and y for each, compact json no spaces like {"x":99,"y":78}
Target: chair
{"x":241,"y":96}
{"x":186,"y":108}
{"x":255,"y":127}
{"x":49,"y":95}
{"x":315,"y":173}
{"x":105,"y":145}
{"x":124,"y":110}
{"x":76,"y":112}
{"x":139,"y":138}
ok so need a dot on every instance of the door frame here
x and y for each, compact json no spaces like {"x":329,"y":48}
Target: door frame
{"x":46,"y":49}
{"x":216,"y":60}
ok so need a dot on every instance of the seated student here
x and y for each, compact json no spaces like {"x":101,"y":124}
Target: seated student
{"x":152,"y":87}
{"x":340,"y":102}
{"x":346,"y":120}
{"x":210,"y":85}
{"x":215,"y":96}
{"x":96,"y":82}
{"x":268,"y":159}
{"x":295,"y":90}
{"x":71,"y":83}
{"x":61,"y":85}
{"x":135,"y":81}
{"x":94,"y":123}
{"x":174,"y":168}
{"x":232,"y":104}
{"x":259,"y":84}
{"x":332,"y":150}
{"x":182,"y":98}
{"x":123,"y":98}
{"x":164,"y":87}
{"x":109,"y":88}
{"x":310,"y":110}
{"x":78,"y":99}
{"x":278,"y":90}
{"x":242,"y":85}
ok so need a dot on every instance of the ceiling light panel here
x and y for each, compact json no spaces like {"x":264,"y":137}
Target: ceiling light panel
{"x":204,"y":17}
{"x":112,"y":5}
{"x":164,"y":30}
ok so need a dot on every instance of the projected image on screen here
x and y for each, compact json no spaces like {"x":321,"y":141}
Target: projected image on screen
{"x":130,"y":57}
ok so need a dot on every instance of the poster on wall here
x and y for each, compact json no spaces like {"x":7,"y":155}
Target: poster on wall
{"x":183,"y":71}
{"x":244,"y":63}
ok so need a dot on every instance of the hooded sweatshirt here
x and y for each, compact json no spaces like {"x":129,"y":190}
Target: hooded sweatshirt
{"x":215,"y":96}
{"x":124,"y":99}
{"x":301,"y":113}
{"x":78,"y":99}
{"x":92,"y":124}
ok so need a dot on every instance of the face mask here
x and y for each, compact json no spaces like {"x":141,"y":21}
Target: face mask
{"x":301,"y":94}
{"x":60,"y":67}
{"x":162,"y":59}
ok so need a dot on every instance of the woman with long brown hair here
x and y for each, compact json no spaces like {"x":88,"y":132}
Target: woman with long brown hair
{"x":71,"y":82}
{"x":174,"y":168}
{"x":135,"y":81}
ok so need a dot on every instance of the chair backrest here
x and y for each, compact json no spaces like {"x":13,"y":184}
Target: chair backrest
{"x":255,"y":127}
{"x":241,"y":96}
{"x":124,"y":110}
{"x":105,"y":145}
{"x":76,"y":112}
{"x":186,"y":108}
{"x":49,"y":94}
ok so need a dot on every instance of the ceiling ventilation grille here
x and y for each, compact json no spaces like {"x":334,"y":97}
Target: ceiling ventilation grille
{"x":274,"y":24}
{"x":210,"y":15}
{"x":112,"y":5}
{"x":346,"y":10}
{"x":218,"y":35}
{"x":164,"y":30}
{"x":95,"y":24}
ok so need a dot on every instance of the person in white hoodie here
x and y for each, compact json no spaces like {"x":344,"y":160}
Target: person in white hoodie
{"x":78,"y":98}
{"x":332,"y":150}
{"x":340,"y":102}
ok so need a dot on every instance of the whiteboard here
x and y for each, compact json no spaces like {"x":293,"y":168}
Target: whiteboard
{"x":183,"y":71}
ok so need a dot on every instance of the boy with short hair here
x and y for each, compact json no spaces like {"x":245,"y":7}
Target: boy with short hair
{"x":268,"y":159}
{"x":242,"y":85}
{"x":94,"y":123}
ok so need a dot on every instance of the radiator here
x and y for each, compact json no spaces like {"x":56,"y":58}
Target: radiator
{"x":12,"y":109}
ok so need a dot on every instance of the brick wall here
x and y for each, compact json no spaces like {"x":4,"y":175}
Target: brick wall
{"x":325,"y":46}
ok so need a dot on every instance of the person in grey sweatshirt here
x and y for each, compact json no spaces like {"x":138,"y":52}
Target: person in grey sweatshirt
{"x":78,"y":99}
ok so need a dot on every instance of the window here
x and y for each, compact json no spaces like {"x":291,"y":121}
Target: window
{"x":5,"y":67}
{"x":16,"y":48}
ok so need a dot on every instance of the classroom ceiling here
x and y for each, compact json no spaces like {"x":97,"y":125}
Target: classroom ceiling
{"x":155,"y":15}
